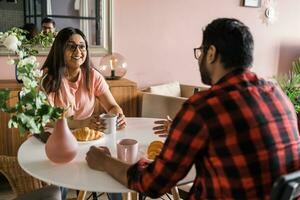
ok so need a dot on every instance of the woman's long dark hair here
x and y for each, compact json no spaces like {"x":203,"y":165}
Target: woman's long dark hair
{"x":55,"y":66}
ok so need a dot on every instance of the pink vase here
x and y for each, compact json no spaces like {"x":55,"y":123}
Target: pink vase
{"x":61,"y":146}
{"x":298,"y":120}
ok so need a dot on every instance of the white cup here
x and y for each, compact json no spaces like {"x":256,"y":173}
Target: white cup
{"x":110,"y":121}
{"x":127,"y":150}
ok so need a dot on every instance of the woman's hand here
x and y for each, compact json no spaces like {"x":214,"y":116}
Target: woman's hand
{"x":163,"y":127}
{"x":96,"y":123}
{"x":96,"y":156}
{"x":121,"y":122}
{"x":110,"y":105}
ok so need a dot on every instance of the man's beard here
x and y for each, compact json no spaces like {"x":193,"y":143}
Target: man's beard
{"x":205,"y":76}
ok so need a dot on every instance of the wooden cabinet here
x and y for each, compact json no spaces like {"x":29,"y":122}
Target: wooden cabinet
{"x":125,"y":93}
{"x":123,"y":90}
{"x":10,"y":138}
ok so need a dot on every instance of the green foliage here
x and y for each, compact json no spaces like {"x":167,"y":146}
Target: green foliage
{"x":33,"y":110}
{"x":290,"y":84}
{"x":44,"y":39}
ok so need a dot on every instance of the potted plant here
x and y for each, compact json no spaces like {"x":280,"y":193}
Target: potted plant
{"x":33,"y":110}
{"x":290,"y":84}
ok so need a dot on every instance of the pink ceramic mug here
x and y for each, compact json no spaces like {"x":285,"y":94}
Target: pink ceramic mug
{"x":127,"y":150}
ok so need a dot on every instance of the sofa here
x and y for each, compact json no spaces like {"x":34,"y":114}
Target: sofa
{"x":159,"y":105}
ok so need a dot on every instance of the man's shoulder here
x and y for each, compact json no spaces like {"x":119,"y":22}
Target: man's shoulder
{"x":201,"y":97}
{"x":227,"y":90}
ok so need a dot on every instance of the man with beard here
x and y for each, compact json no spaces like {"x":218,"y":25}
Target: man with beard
{"x":48,"y":26}
{"x":241,"y":134}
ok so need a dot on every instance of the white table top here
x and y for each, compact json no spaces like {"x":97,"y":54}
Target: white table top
{"x":76,"y":174}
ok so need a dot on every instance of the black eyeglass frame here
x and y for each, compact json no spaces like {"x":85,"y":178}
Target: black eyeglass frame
{"x":73,"y":47}
{"x":195,"y":52}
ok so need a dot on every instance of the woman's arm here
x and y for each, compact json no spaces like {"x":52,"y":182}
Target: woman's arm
{"x":110,"y":105}
{"x":74,"y":124}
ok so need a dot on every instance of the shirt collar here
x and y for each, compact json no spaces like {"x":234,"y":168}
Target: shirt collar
{"x":231,"y":74}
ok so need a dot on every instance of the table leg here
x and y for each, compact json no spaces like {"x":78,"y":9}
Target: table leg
{"x":125,"y":196}
{"x":175,"y":193}
{"x":134,"y":195}
{"x":81,"y":195}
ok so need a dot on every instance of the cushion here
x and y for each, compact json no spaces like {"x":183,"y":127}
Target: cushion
{"x":169,"y":89}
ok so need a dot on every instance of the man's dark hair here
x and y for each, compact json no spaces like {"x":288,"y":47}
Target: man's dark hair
{"x":48,"y":20}
{"x":233,"y":42}
{"x":31,"y":29}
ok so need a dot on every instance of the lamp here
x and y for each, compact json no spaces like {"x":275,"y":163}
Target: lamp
{"x":113,"y":66}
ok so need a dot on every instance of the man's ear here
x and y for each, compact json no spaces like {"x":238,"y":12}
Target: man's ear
{"x":211,"y":54}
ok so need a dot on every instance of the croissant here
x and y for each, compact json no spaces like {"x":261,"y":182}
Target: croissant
{"x":154,"y":149}
{"x":87,"y":134}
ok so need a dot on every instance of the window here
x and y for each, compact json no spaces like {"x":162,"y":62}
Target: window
{"x":93,"y":17}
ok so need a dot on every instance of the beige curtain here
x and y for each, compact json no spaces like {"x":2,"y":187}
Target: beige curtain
{"x":49,"y":7}
{"x":84,"y":12}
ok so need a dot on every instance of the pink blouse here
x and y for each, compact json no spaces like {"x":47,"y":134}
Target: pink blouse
{"x":73,"y":96}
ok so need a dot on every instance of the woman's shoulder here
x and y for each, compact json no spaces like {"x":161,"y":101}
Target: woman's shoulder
{"x":95,"y":75}
{"x":94,"y":71}
{"x":98,"y":81}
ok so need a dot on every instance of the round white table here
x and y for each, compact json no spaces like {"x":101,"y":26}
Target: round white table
{"x":76,"y":174}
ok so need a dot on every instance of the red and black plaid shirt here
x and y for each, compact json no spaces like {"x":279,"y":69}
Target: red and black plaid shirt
{"x":241,"y":135}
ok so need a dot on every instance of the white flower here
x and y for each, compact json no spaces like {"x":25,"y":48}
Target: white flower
{"x":28,"y":106}
{"x":21,"y":54}
{"x":11,"y":42}
{"x":24,"y":91}
{"x":29,"y":60}
{"x":37,"y":73}
{"x":1,"y":36}
{"x":38,"y":102}
{"x":28,"y":83}
{"x":11,"y":62}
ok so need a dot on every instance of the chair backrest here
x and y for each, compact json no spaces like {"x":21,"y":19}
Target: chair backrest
{"x":286,"y":187}
{"x":18,"y":179}
{"x":159,"y":106}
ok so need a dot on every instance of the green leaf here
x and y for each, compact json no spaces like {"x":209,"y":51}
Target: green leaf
{"x":290,"y":83}
{"x":22,"y":130}
{"x":33,"y":110}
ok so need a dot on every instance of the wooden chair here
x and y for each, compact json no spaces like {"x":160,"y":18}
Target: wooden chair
{"x":286,"y":187}
{"x":18,"y":179}
{"x":21,"y":182}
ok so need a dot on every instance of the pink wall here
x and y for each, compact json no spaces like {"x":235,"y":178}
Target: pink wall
{"x":157,"y":37}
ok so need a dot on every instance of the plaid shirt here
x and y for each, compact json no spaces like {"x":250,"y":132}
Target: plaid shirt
{"x":241,"y":134}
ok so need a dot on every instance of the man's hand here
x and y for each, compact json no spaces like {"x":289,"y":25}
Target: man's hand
{"x":163,"y":127}
{"x":99,"y":158}
{"x":96,"y":157}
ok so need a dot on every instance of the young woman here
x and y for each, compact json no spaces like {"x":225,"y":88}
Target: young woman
{"x":72,"y":84}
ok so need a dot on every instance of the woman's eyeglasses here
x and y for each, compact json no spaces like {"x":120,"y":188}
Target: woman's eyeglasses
{"x":72,"y":47}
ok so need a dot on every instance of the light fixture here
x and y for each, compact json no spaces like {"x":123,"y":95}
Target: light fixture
{"x":269,"y":13}
{"x":113,"y":66}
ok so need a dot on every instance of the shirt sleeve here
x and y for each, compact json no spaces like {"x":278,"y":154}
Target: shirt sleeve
{"x":186,"y":140}
{"x":99,"y":83}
